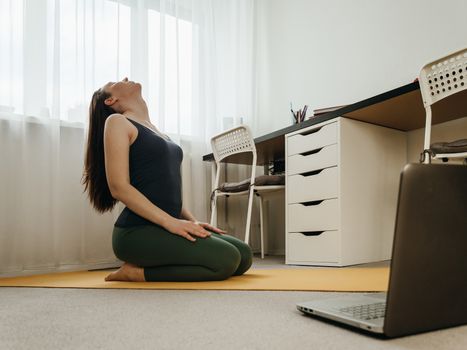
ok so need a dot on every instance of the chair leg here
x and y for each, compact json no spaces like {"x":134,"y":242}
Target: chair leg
{"x":427,"y":140}
{"x":248,"y":217}
{"x":261,"y":225}
{"x":214,"y":212}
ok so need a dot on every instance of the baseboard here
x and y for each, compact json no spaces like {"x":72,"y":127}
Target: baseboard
{"x":62,"y":268}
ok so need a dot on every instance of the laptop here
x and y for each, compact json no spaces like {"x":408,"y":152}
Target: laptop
{"x":428,"y":279}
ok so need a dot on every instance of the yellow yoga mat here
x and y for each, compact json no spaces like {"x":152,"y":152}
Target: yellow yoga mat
{"x":321,"y":279}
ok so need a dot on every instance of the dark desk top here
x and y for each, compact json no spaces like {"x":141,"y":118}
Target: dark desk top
{"x":400,"y":108}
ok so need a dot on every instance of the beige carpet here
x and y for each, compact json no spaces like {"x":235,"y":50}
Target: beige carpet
{"x":358,"y":279}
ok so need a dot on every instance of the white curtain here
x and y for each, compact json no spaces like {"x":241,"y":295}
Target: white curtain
{"x":195,"y":60}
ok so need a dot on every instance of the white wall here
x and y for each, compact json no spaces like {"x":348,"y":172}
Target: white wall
{"x":333,"y":52}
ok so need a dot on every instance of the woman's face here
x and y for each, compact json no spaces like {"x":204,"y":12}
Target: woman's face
{"x":120,"y":92}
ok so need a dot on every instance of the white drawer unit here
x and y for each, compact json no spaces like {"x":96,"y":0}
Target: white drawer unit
{"x":323,"y":246}
{"x":314,"y":138}
{"x":321,"y":184}
{"x":341,"y":192}
{"x":317,"y":159}
{"x":314,"y":216}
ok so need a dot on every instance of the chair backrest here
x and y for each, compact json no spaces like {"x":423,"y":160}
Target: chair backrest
{"x":443,"y":77}
{"x":233,"y":141}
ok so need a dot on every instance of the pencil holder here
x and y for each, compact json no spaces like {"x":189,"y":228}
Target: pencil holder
{"x":298,"y":116}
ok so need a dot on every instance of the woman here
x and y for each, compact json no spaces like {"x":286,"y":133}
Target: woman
{"x":129,"y":160}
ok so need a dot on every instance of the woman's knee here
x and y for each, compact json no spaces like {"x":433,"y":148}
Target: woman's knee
{"x":246,"y":254}
{"x":245,"y":251}
{"x":227,"y":261}
{"x":246,"y":258}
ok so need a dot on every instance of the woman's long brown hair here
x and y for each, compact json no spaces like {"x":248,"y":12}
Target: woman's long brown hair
{"x":94,"y":179}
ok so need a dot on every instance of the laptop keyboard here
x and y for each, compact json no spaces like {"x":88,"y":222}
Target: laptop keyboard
{"x":365,"y":312}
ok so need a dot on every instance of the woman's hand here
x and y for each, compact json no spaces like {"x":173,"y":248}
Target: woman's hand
{"x":186,"y":229}
{"x":211,"y":228}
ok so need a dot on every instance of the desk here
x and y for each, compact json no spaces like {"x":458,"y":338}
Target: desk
{"x":400,"y":108}
{"x":341,"y":201}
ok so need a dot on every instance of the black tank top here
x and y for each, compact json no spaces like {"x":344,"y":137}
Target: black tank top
{"x":155,"y":172}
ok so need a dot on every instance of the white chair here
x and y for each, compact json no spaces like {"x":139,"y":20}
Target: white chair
{"x":440,"y":79}
{"x":235,"y":141}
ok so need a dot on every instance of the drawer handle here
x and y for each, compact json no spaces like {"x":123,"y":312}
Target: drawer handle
{"x":309,"y":132}
{"x":311,"y":152}
{"x":311,"y":173}
{"x":311,"y":203}
{"x":311,"y":233}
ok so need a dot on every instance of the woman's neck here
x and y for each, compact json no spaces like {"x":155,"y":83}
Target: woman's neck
{"x":138,"y":110}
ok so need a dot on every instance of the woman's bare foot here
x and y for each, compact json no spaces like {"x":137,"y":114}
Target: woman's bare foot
{"x":127,"y":272}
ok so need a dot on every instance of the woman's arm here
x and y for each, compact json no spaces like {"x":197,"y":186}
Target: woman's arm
{"x":118,"y":133}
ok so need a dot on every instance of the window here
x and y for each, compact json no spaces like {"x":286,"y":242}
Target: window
{"x":52,"y":67}
{"x":170,"y":69}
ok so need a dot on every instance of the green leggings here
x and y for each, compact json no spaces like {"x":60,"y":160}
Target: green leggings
{"x":169,"y":257}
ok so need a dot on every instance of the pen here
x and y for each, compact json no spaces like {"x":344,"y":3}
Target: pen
{"x":304,"y":112}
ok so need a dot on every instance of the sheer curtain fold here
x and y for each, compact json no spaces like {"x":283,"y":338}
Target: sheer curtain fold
{"x":55,"y":54}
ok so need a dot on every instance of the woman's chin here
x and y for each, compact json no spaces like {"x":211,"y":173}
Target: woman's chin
{"x":136,"y":88}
